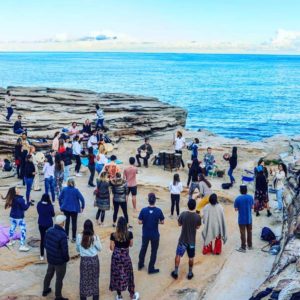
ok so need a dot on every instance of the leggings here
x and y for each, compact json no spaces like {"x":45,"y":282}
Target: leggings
{"x":21,"y":223}
{"x":73,"y":216}
{"x":78,"y":163}
{"x":175,"y":201}
{"x":116,"y":210}
{"x":42,"y":230}
{"x":101,"y":214}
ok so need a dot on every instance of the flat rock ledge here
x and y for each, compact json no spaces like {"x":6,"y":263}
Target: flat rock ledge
{"x":285,"y":274}
{"x":46,"y":110}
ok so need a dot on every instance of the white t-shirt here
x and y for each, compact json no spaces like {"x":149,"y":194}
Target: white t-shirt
{"x":175,"y":189}
{"x":91,"y":141}
{"x":76,"y":148}
{"x":8,"y":101}
{"x":101,"y":159}
{"x":48,"y":170}
{"x":179,"y":143}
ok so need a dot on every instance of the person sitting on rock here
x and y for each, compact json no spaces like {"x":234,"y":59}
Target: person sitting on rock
{"x":144,"y":152}
{"x":18,"y":128}
{"x":73,"y":131}
{"x":87,"y":128}
{"x":93,"y":141}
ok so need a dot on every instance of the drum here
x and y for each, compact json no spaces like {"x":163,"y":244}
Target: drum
{"x":108,"y":147}
{"x":162,"y":157}
{"x":40,"y":157}
{"x":143,"y":154}
{"x":169,"y":160}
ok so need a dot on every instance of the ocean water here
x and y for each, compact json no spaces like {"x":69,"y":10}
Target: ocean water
{"x":245,"y":96}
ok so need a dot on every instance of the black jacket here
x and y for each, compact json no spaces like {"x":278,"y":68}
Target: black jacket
{"x":56,"y":244}
{"x":146,"y":147}
{"x":18,"y":152}
{"x":67,"y":156}
{"x":17,"y":125}
{"x":119,"y":190}
{"x":29,"y":169}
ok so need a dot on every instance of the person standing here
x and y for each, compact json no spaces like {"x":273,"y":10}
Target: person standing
{"x":77,"y":149}
{"x":67,"y":159}
{"x":232,"y":159}
{"x":209,"y":161}
{"x":175,"y":188}
{"x":130,"y":176}
{"x":58,"y":174}
{"x":29,"y":175}
{"x":9,"y":102}
{"x":204,"y":192}
{"x":261,"y":198}
{"x":215,"y":227}
{"x":55,"y":141}
{"x":88,"y":245}
{"x":18,"y":156}
{"x":48,"y":171}
{"x":18,"y":206}
{"x":121,"y":273}
{"x":46,"y":213}
{"x":102,"y":195}
{"x":193,"y":177}
{"x":190,"y":221}
{"x":71,"y":203}
{"x":243,"y":204}
{"x":112,"y":168}
{"x":278,"y":184}
{"x":194,"y":148}
{"x":179,"y":144}
{"x":91,"y":166}
{"x":119,"y":191}
{"x":150,"y":217}
{"x":100,"y":117}
{"x":56,"y":244}
{"x":144,"y":152}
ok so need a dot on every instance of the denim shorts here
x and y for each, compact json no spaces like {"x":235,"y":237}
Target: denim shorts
{"x":182,"y":247}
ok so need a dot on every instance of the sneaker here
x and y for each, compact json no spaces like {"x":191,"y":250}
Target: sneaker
{"x":119,"y":297}
{"x":73,"y":240}
{"x":250,"y":248}
{"x":269,"y":214}
{"x":140,"y":267}
{"x":114,"y":225}
{"x":24,"y":248}
{"x":136,"y":296}
{"x":190,"y":276}
{"x":78,"y":175}
{"x":257,"y":214}
{"x":174,"y":275}
{"x":130,"y":226}
{"x":153,"y":271}
{"x":41,"y":258}
{"x":11,"y":243}
{"x":46,"y":292}
{"x":241,"y":250}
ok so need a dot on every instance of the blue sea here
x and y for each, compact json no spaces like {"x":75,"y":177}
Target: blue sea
{"x":245,"y":96}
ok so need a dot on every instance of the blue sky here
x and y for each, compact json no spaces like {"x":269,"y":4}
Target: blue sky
{"x":234,"y":26}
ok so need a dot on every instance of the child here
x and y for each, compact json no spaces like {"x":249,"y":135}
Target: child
{"x":175,"y":189}
{"x":18,"y":206}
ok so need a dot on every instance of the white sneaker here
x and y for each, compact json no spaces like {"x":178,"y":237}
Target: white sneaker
{"x":41,"y":258}
{"x":11,"y":243}
{"x":24,"y":248}
{"x":78,"y":175}
{"x":136,"y":296}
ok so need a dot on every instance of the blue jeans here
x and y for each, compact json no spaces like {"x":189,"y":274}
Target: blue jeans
{"x":21,"y":223}
{"x":18,"y":131}
{"x":100,"y":123}
{"x":49,"y":184}
{"x":29,"y":183}
{"x":207,"y":169}
{"x":10,"y":111}
{"x":66,"y":172}
{"x":230,"y":172}
{"x":279,"y":193}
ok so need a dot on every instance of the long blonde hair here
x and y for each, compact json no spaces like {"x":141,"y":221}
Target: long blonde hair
{"x":103,"y":177}
{"x":9,"y":198}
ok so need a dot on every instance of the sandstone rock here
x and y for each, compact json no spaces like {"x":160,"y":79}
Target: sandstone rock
{"x":47,"y":110}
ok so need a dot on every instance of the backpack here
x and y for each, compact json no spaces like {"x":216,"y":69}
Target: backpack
{"x":226,"y":186}
{"x":267,"y":235}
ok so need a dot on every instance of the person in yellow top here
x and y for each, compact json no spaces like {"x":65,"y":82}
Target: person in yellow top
{"x":204,"y":193}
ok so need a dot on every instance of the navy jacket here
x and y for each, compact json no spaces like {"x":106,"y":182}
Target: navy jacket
{"x":29,"y":169}
{"x":56,"y":244}
{"x":18,"y":207}
{"x":67,"y":156}
{"x":71,"y":200}
{"x":17,"y":125}
{"x":46,"y":213}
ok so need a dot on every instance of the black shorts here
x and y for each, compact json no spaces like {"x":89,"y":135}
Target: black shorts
{"x":132,"y":190}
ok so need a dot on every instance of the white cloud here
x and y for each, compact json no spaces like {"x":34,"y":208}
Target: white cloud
{"x":286,"y":39}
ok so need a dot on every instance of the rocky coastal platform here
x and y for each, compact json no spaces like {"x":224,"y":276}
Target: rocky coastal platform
{"x":46,"y":110}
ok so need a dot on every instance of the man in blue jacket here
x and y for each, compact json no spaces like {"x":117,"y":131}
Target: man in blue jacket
{"x":56,"y":244}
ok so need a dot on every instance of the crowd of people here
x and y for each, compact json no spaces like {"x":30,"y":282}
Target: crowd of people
{"x":114,"y":187}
